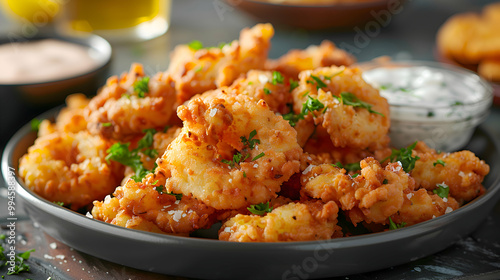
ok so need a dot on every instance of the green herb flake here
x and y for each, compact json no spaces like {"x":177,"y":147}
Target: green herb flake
{"x":195,"y":45}
{"x":293,"y":84}
{"x":260,"y":209}
{"x":258,"y":156}
{"x":316,"y":80}
{"x":141,"y":86}
{"x":457,"y":103}
{"x":355,"y":175}
{"x":439,"y":161}
{"x":277,"y":78}
{"x":404,"y":156}
{"x":442,"y":190}
{"x":393,"y":225}
{"x":311,"y":105}
{"x":355,"y":166}
{"x":350,"y":99}
{"x":106,"y":124}
{"x":35,"y":124}
{"x":430,"y":114}
{"x":60,"y":203}
{"x":385,"y":182}
{"x":250,"y":142}
{"x":120,"y":152}
{"x":161,"y":190}
{"x":20,"y":263}
{"x":267,"y":91}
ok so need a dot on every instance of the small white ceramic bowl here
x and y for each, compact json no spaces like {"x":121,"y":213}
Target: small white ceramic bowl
{"x":436,"y":103}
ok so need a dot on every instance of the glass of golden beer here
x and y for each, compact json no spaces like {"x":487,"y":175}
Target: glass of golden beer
{"x":116,"y":20}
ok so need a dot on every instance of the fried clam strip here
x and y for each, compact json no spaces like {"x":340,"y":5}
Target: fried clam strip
{"x":352,"y":112}
{"x":196,"y":70}
{"x":232,"y":151}
{"x":147,"y":206}
{"x":324,"y":55}
{"x":295,"y":221}
{"x":129,"y":104}
{"x":461,"y":171}
{"x":270,"y":86}
{"x":70,"y":168}
{"x":372,"y":196}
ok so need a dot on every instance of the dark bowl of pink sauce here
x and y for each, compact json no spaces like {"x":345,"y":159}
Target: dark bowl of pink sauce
{"x":38,"y":73}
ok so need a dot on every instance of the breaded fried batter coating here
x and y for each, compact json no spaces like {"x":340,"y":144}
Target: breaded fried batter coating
{"x":309,"y":220}
{"x":131,"y":103}
{"x":421,"y":205}
{"x":270,"y":86}
{"x":109,"y":211}
{"x":462,"y":172}
{"x":324,"y":55}
{"x":149,"y":201}
{"x":353,"y":113}
{"x":374,"y":195}
{"x":233,"y":151}
{"x":70,"y":168}
{"x":198,"y":70}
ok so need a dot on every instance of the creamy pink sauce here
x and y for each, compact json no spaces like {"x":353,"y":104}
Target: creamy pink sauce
{"x":43,"y":61}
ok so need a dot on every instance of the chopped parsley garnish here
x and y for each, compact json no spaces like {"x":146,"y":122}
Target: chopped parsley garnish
{"x":35,"y":124}
{"x":106,"y":124}
{"x":293,"y":84}
{"x":120,"y":152}
{"x":60,"y":203}
{"x":385,"y":182}
{"x":316,"y":80}
{"x":439,"y":161}
{"x":258,"y":156}
{"x":393,"y":225}
{"x":161,"y":190}
{"x":355,"y":175}
{"x":250,"y":142}
{"x":430,"y":114}
{"x":277,"y":78}
{"x":311,"y":105}
{"x":336,"y":74}
{"x":442,"y":190}
{"x":457,"y":103}
{"x":237,"y":158}
{"x":141,"y":86}
{"x":404,"y":156}
{"x":260,"y":209}
{"x":350,"y":99}
{"x":20,"y":259}
{"x":195,"y":45}
{"x":267,"y":91}
{"x":349,"y":167}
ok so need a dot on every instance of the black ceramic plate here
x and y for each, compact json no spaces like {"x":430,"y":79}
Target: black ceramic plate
{"x":213,"y":259}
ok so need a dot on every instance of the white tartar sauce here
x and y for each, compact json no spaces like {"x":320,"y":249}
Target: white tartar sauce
{"x":438,"y":105}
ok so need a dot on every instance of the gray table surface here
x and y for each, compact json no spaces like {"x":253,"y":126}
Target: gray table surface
{"x":411,"y":35}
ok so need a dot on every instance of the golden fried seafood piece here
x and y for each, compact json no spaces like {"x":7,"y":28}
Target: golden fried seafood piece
{"x":170,"y":212}
{"x":109,"y":211}
{"x":352,"y":111}
{"x":70,"y":168}
{"x":196,"y":70}
{"x":309,"y":220}
{"x":461,"y":171}
{"x":324,"y":55}
{"x":131,"y":103}
{"x":374,"y":195}
{"x":69,"y":119}
{"x":421,"y":205}
{"x":469,"y":37}
{"x":232,"y":152}
{"x":271,"y":86}
{"x":489,"y":69}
